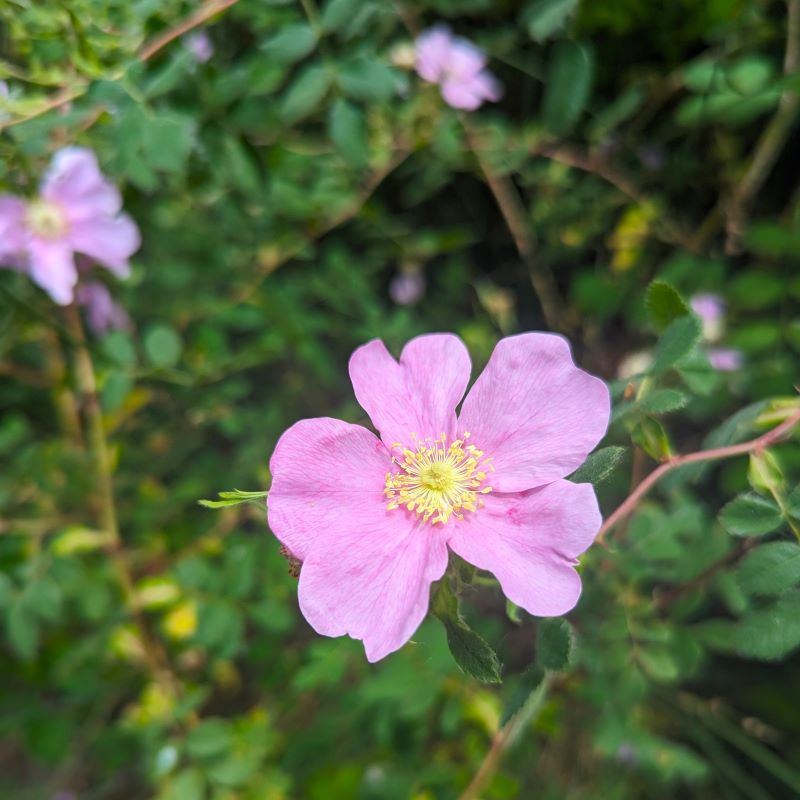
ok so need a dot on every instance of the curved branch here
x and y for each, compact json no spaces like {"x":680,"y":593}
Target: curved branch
{"x":762,"y":442}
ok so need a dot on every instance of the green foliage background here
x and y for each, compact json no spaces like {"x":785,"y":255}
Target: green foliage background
{"x":280,"y":187}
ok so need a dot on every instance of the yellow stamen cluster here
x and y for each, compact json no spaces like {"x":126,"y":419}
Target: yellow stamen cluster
{"x":437,"y":480}
{"x":46,"y":220}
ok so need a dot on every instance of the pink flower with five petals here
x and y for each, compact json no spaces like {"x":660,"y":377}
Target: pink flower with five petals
{"x":77,"y":211}
{"x":458,"y":66}
{"x":372,"y":518}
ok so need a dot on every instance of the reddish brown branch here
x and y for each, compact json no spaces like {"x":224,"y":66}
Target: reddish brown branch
{"x":762,"y":442}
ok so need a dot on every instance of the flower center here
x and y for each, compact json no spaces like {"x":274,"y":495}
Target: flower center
{"x":437,"y":480}
{"x":45,"y":220}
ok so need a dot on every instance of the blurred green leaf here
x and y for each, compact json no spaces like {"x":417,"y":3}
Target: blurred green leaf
{"x":23,"y":631}
{"x":664,"y":304}
{"x":569,"y":80}
{"x":366,"y":79}
{"x":290,"y":44}
{"x":305,"y":93}
{"x":663,"y":401}
{"x":677,"y":341}
{"x":555,"y":643}
{"x":529,"y":682}
{"x":210,"y":738}
{"x":337,"y":13}
{"x":770,"y":569}
{"x":543,"y":18}
{"x":348,"y":130}
{"x":162,"y":346}
{"x":750,"y":515}
{"x":599,"y":466}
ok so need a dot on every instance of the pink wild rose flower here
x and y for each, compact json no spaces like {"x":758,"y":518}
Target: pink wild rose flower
{"x":77,"y":211}
{"x":371,"y":518}
{"x":458,"y":66}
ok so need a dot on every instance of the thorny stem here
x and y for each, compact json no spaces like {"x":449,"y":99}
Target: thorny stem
{"x":754,"y":445}
{"x":98,"y":447}
{"x":504,"y":739}
{"x":511,"y":208}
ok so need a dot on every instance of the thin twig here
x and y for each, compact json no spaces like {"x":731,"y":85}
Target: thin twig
{"x":84,"y":372}
{"x":772,"y":141}
{"x":762,"y":442}
{"x":209,"y":9}
{"x":541,"y":277}
{"x":673,"y":233}
{"x":504,"y":738}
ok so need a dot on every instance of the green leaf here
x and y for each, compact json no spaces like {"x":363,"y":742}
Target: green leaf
{"x":290,"y":44}
{"x":162,"y":346}
{"x":555,"y":643}
{"x":369,"y":80}
{"x":337,"y":13}
{"x":662,"y":401}
{"x":23,"y":631}
{"x":530,"y":681}
{"x":348,"y":130}
{"x":764,"y":472}
{"x":664,"y":304}
{"x":305,"y":93}
{"x":569,"y":81}
{"x":188,"y":784}
{"x":472,"y":654}
{"x":543,"y":18}
{"x":793,"y":503}
{"x":771,"y":569}
{"x":599,"y":466}
{"x":770,"y":633}
{"x":750,"y":515}
{"x":210,"y":738}
{"x":235,"y":498}
{"x":43,"y":598}
{"x":680,"y":336}
{"x":167,"y":141}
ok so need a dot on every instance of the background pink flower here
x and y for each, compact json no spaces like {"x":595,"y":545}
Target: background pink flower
{"x":102,"y":312}
{"x":725,"y":359}
{"x":372,"y":518}
{"x":77,"y":211}
{"x":458,"y":66}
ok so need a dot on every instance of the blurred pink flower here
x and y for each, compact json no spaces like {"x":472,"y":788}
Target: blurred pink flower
{"x":725,"y":359}
{"x":77,"y":211}
{"x":199,"y":44}
{"x":102,"y":313}
{"x":711,"y":310}
{"x":407,"y":288}
{"x":372,"y":518}
{"x":458,"y":66}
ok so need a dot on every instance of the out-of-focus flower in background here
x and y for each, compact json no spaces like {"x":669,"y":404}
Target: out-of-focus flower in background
{"x":407,"y":287}
{"x":458,"y":66}
{"x":199,"y":44}
{"x":102,"y":313}
{"x":77,"y":211}
{"x":710,"y":308}
{"x":725,"y":359}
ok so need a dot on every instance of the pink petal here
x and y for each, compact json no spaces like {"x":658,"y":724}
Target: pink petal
{"x":326,"y":474}
{"x":534,"y":412}
{"x":419,"y":395}
{"x":75,"y":182}
{"x":433,"y":52}
{"x":372,"y":581}
{"x":530,"y":542}
{"x":12,"y":230}
{"x":366,"y":571}
{"x":465,"y":60}
{"x":53,"y":268}
{"x":110,"y":241}
{"x":470,"y":93}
